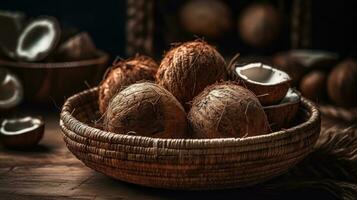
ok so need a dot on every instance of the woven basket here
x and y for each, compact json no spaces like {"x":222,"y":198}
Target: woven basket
{"x":187,"y":164}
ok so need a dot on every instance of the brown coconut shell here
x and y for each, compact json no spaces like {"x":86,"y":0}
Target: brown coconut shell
{"x":283,"y":114}
{"x":342,"y":83}
{"x":146,"y":109}
{"x":18,"y":134}
{"x":227,"y":110}
{"x":125,"y":73}
{"x":267,"y":93}
{"x":313,"y":85}
{"x":209,"y":18}
{"x":188,"y":68}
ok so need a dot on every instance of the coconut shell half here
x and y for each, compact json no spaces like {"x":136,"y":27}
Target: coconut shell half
{"x":21,"y":132}
{"x":270,"y":85}
{"x":281,"y":115}
{"x":38,"y":39}
{"x":11,"y":90}
{"x":314,"y":59}
{"x":227,"y":110}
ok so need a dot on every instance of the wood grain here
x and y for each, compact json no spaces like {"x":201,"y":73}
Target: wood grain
{"x":50,"y":171}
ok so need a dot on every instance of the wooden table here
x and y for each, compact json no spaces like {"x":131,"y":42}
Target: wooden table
{"x":50,"y":171}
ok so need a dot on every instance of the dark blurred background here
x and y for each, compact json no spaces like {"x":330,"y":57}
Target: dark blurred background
{"x":104,"y":20}
{"x":333,"y":21}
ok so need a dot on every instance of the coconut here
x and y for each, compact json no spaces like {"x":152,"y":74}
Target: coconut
{"x":314,"y":59}
{"x":187,"y":69}
{"x":342,"y":83}
{"x":38,"y":39}
{"x":21,"y":132}
{"x":210,"y":18}
{"x":226,"y":110}
{"x":270,"y":85}
{"x":146,"y":109}
{"x":259,"y":25}
{"x":125,"y":73}
{"x":281,"y":115}
{"x":313,"y":85}
{"x":11,"y":90}
{"x":241,"y":60}
{"x":77,"y":47}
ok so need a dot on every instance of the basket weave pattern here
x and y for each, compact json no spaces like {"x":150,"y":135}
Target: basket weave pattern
{"x":188,"y":164}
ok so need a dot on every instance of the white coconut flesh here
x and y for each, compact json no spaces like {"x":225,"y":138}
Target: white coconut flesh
{"x":309,"y":57}
{"x":37,"y":38}
{"x":292,"y":96}
{"x":19,"y":126}
{"x":261,"y":74}
{"x":11,"y":91}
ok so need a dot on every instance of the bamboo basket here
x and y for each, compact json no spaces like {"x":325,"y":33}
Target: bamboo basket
{"x":185,"y":164}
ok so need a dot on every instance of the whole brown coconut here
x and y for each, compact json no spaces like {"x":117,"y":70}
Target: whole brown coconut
{"x":342,"y":83}
{"x":227,"y":110}
{"x":125,"y":73}
{"x":146,"y":109}
{"x":187,"y":69}
{"x":313,"y":85}
{"x":210,"y":18}
{"x":259,"y":25}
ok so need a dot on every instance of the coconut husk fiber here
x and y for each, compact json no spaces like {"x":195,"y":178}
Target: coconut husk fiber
{"x":329,"y":172}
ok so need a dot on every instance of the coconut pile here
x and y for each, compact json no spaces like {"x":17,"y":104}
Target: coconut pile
{"x":193,"y":94}
{"x":321,"y":76}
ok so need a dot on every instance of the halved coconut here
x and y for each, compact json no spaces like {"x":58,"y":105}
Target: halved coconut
{"x":314,"y":58}
{"x":281,"y":115}
{"x":11,"y":25}
{"x":11,"y":90}
{"x":270,"y":85}
{"x":38,"y":39}
{"x":21,"y":132}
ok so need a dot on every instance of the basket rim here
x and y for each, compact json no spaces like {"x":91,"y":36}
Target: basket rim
{"x":102,"y":57}
{"x":72,"y":123}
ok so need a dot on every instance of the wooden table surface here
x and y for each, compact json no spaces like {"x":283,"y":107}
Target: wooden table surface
{"x":50,"y":171}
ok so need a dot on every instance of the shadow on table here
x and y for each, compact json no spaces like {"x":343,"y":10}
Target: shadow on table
{"x":251,"y":193}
